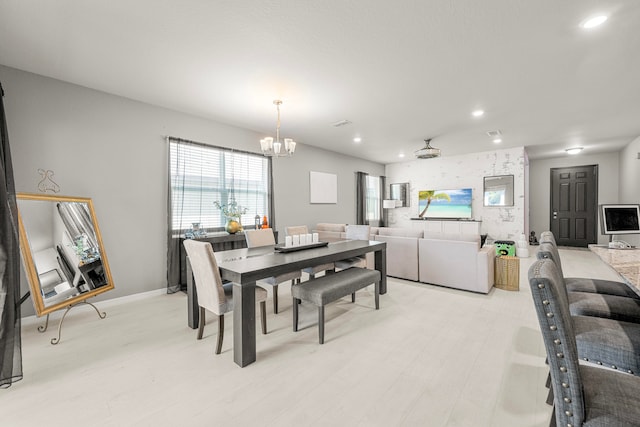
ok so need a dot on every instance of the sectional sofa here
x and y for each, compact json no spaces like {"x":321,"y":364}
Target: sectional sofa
{"x":455,"y":261}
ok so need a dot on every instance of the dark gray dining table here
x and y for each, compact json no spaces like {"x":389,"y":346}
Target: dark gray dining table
{"x":245,"y":266}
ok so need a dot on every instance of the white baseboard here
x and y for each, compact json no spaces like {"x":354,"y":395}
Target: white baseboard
{"x":32,"y":320}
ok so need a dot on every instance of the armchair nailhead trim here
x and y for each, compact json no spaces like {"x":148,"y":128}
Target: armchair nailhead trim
{"x":545,"y":302}
{"x":599,"y":362}
{"x":567,"y":400}
{"x":549,"y":315}
{"x":565,"y":385}
{"x":563,"y":369}
{"x":586,"y":359}
{"x":614,"y":366}
{"x":560,"y":355}
{"x":557,"y":341}
{"x":553,"y":327}
{"x":568,"y":413}
{"x":540,"y":285}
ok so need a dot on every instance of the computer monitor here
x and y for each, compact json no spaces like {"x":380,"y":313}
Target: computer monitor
{"x":619,"y":219}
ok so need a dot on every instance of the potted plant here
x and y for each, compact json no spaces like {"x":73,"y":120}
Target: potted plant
{"x":232,"y":213}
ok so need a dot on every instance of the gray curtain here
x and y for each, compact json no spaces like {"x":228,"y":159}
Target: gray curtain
{"x":361,"y":198}
{"x":10,"y":343}
{"x":176,"y":198}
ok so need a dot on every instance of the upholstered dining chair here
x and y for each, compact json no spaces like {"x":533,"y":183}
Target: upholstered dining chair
{"x":584,"y":284}
{"x":311,"y":271}
{"x":265,"y":237}
{"x":355,"y":232}
{"x":583,"y":395}
{"x":213,"y":294}
{"x":594,"y":304}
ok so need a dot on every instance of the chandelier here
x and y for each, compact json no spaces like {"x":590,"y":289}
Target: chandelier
{"x":273,"y":148}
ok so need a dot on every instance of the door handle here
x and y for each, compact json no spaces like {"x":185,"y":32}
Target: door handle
{"x":555,"y":215}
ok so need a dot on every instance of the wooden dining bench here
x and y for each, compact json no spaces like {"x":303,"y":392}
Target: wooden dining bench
{"x":331,"y":287}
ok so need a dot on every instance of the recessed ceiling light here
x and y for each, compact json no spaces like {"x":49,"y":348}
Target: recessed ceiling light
{"x":401,"y":155}
{"x":574,"y":150}
{"x":594,"y":22}
{"x":477,"y":113}
{"x":357,"y":139}
{"x":497,"y":140}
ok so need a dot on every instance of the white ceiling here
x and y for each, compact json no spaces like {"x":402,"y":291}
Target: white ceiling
{"x":399,"y":71}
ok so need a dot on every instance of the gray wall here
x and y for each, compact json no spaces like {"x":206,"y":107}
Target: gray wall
{"x":540,"y":181}
{"x":113,"y":150}
{"x":292,"y":187}
{"x":630,"y":180}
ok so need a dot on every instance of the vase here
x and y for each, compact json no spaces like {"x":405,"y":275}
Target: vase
{"x":233,"y":226}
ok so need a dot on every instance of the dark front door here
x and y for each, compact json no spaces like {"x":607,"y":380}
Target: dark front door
{"x":574,"y":205}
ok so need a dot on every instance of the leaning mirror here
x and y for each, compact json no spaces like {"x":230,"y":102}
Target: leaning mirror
{"x":62,"y":250}
{"x":498,"y":190}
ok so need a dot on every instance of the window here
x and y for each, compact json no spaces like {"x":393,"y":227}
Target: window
{"x":374,"y":198}
{"x":201,"y":174}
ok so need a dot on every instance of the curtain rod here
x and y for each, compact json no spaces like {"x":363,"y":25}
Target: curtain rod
{"x":170,"y":138}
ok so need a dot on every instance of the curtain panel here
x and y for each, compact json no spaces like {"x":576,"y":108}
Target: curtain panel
{"x":10,"y":341}
{"x":361,"y":198}
{"x":201,"y":174}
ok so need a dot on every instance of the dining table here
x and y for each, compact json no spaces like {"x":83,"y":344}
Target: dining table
{"x":243,"y":267}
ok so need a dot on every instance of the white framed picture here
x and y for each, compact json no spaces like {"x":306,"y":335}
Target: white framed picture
{"x":323,"y":187}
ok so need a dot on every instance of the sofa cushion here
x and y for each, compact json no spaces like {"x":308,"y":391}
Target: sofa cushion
{"x":456,"y":237}
{"x":401,"y":232}
{"x":325,"y":226}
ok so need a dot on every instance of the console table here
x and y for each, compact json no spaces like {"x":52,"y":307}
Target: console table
{"x":221,"y":241}
{"x":447,"y":226}
{"x":626,"y":262}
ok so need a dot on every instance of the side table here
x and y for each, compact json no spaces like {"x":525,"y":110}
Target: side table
{"x":507,"y":273}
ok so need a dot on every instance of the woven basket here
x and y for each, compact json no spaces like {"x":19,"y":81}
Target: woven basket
{"x":507,"y":273}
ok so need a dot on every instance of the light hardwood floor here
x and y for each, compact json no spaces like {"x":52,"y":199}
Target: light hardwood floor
{"x":431,"y":356}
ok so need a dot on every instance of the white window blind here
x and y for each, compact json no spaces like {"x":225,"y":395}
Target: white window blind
{"x":203,"y":174}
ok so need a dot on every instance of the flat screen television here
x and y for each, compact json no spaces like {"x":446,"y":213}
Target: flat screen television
{"x":619,"y":219}
{"x":454,"y":204}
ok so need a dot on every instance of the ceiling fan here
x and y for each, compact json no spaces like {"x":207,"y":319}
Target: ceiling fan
{"x":427,"y":152}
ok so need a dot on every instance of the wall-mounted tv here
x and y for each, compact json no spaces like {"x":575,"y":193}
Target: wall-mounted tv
{"x":455,"y":204}
{"x":620,"y":219}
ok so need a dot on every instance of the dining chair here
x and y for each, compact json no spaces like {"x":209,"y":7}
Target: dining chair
{"x":265,"y":237}
{"x":355,"y":232}
{"x":584,"y":395}
{"x":585,"y":284}
{"x":213,"y":294}
{"x":311,"y":271}
{"x":594,"y":304}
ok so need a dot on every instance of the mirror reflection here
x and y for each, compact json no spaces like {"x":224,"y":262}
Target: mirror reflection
{"x":498,"y":190}
{"x":400,"y":193}
{"x":62,"y":250}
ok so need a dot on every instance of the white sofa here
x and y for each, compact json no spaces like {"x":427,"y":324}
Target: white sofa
{"x":457,"y":261}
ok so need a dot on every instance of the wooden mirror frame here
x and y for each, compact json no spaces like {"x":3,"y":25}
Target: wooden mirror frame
{"x":28,"y":255}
